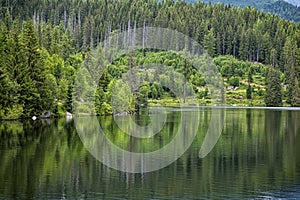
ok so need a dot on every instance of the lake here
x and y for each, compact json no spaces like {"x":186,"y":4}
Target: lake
{"x":256,"y":156}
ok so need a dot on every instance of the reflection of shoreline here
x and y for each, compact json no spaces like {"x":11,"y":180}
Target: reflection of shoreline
{"x":249,"y":161}
{"x":174,"y":107}
{"x":93,"y":137}
{"x":240,"y":107}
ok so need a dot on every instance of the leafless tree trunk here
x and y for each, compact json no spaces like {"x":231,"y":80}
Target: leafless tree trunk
{"x":144,"y":30}
{"x":128,"y":33}
{"x":79,"y":20}
{"x":65,"y":18}
{"x":92,"y":38}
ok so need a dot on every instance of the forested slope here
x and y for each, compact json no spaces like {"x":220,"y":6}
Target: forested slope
{"x":284,"y":9}
{"x":43,"y":43}
{"x":245,"y":33}
{"x":294,"y":2}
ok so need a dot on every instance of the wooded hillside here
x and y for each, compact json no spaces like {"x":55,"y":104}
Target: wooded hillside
{"x":43,"y":43}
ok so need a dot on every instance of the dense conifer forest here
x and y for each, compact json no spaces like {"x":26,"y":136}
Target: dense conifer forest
{"x":286,"y":9}
{"x":43,"y":44}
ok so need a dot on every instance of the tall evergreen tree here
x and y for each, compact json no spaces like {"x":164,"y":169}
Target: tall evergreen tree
{"x":273,"y":88}
{"x":209,"y":43}
{"x":291,"y":58}
{"x":40,"y":92}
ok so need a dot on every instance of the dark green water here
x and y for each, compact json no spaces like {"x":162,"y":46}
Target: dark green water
{"x":257,"y":156}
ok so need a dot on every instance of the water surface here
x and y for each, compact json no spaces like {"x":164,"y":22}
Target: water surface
{"x":257,"y":156}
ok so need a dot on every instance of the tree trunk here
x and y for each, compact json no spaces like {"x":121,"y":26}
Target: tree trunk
{"x":65,"y":19}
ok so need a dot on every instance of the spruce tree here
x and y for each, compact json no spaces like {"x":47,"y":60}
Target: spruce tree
{"x":290,"y":57}
{"x":249,"y":88}
{"x":249,"y":92}
{"x":39,"y":86}
{"x":273,"y":95}
{"x":209,"y":43}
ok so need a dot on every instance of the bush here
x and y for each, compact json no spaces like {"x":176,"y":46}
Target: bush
{"x":13,"y":112}
{"x":234,"y":81}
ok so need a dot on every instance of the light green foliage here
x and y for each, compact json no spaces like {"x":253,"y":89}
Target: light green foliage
{"x":230,"y":66}
{"x":121,"y":98}
{"x":143,"y":94}
{"x":34,"y":79}
{"x":156,"y":82}
{"x":40,"y":58}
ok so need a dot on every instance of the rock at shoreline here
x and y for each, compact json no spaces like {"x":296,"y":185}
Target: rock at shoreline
{"x":69,"y":115}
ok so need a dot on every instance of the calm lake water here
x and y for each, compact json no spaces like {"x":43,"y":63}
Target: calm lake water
{"x":257,"y":156}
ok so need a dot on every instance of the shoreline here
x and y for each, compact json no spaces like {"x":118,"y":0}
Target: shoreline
{"x":172,"y":106}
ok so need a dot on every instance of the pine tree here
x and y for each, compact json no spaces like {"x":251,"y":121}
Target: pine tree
{"x":15,"y":63}
{"x":249,"y":88}
{"x":249,"y":92}
{"x":69,"y":100}
{"x":273,"y":57}
{"x":209,"y":43}
{"x":38,"y":84}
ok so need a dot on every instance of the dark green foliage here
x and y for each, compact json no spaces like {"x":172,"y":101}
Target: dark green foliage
{"x":280,"y":7}
{"x":245,"y":33}
{"x":156,"y":91}
{"x":68,"y":103}
{"x":249,"y":92}
{"x":284,"y":9}
{"x":291,"y":70}
{"x":36,"y":100}
{"x":234,"y":81}
{"x":32,"y":80}
{"x":39,"y":58}
{"x":250,"y":74}
{"x":209,"y":43}
{"x":273,"y":95}
{"x":250,"y":80}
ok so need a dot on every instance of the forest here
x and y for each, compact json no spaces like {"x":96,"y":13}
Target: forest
{"x":286,"y":9}
{"x":44,"y":43}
